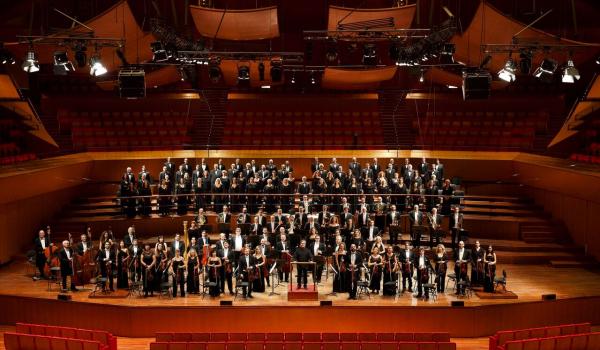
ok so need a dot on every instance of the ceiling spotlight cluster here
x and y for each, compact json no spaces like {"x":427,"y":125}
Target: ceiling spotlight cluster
{"x":546,"y":71}
{"x":5,"y":56}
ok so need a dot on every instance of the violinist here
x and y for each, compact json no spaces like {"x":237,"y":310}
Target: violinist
{"x":379,"y":244}
{"x":106,"y":236}
{"x":41,"y":243}
{"x":106,"y":260}
{"x":177,"y":271}
{"x":162,"y":266}
{"x":423,"y":266}
{"x":390,"y":271}
{"x":317,"y":248}
{"x":441,"y":265}
{"x":204,"y":239}
{"x":148,"y":261}
{"x":214,"y":264}
{"x":370,"y":232}
{"x":135,"y":267}
{"x":478,"y":256}
{"x":463,"y":257}
{"x":375,"y":264}
{"x":162,"y":244}
{"x":122,"y":266}
{"x":227,"y":258}
{"x":283,"y":249}
{"x":407,"y":258}
{"x":340,"y":281}
{"x":490,"y":270}
{"x":66,"y":265}
{"x":355,"y":262}
{"x":262,"y":274}
{"x":247,"y":267}
{"x":302,"y":254}
{"x":193,"y":272}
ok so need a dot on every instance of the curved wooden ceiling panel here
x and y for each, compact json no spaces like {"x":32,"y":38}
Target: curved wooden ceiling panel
{"x":253,"y":24}
{"x":356,"y":79}
{"x":403,"y":16}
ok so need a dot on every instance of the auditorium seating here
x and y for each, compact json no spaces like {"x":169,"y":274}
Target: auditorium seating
{"x":501,"y":337}
{"x":103,"y":337}
{"x":586,"y":341}
{"x":304,"y":337}
{"x":302,"y":346}
{"x":308,"y":130}
{"x":17,"y":341}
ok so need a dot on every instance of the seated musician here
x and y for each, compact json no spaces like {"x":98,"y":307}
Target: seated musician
{"x":302,"y":254}
{"x":456,"y":225}
{"x":283,"y":249}
{"x":355,"y":262}
{"x":227,"y":258}
{"x":406,"y":259}
{"x":66,"y":256}
{"x":246,"y":267}
{"x":416,"y":219}
{"x":317,"y":249}
{"x":435,"y":222}
{"x":423,"y":267}
{"x":392,"y":222}
{"x":106,"y":260}
{"x":462,"y":257}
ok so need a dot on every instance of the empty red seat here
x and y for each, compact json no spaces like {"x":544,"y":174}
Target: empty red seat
{"x":273,"y":345}
{"x":311,"y":337}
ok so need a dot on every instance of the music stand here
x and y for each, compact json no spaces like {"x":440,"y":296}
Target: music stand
{"x":335,"y":272}
{"x":273,"y":272}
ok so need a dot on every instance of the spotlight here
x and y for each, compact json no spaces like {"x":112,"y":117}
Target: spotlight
{"x":62,"y":65}
{"x":31,"y":65}
{"x":80,"y":55}
{"x":508,"y":72}
{"x":276,"y":70}
{"x":525,"y":62}
{"x":545,"y":72}
{"x":369,"y":55}
{"x":313,"y":79}
{"x":159,"y":52}
{"x":96,"y":66}
{"x":331,"y":55}
{"x":293,"y":79}
{"x":598,"y":60}
{"x":243,"y":73}
{"x":214,"y":71}
{"x":182,"y":73}
{"x":261,"y":71}
{"x":422,"y":78}
{"x":447,"y":54}
{"x":570,"y":73}
{"x":5,"y":56}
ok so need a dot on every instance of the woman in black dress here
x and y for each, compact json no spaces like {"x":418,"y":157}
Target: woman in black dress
{"x":376,"y":265}
{"x":122,"y":266}
{"x":177,"y":271}
{"x":336,"y":199}
{"x":252,"y":190}
{"x":490,"y":270}
{"x":440,"y":258}
{"x":148,"y":268}
{"x":390,"y":271}
{"x":270,"y":201}
{"x":400,"y":188}
{"x":193,"y":269}
{"x":369,"y":190}
{"x":164,"y":199}
{"x":340,"y":281}
{"x":160,"y":271}
{"x":234,"y":195}
{"x":354,"y":188}
{"x":286,"y":200}
{"x":258,"y":285}
{"x":213,"y":265}
{"x":182,"y":198}
{"x":219,"y":197}
{"x":146,"y":191}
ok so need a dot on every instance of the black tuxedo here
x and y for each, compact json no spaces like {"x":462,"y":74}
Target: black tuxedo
{"x":324,"y":218}
{"x":466,"y":257}
{"x":225,"y":276}
{"x":320,"y":251}
{"x":105,"y":262}
{"x":306,"y":227}
{"x":427,"y":265}
{"x":256,"y":229}
{"x":303,"y":255}
{"x":393,"y":230}
{"x":366,"y":232}
{"x":407,"y":276}
{"x":245,"y":263}
{"x":128,"y":240}
{"x":279,"y":248}
{"x":79,"y":247}
{"x":344,"y":217}
{"x":362,"y":220}
{"x":455,"y":227}
{"x":418,"y":221}
{"x":354,"y":269}
{"x":40,"y":258}
{"x":437,"y":219}
{"x":303,"y":188}
{"x":181,"y":248}
{"x":66,"y":266}
{"x":355,"y":168}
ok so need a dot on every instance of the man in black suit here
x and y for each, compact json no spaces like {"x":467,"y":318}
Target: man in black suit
{"x":355,"y":261}
{"x":170,"y":167}
{"x":404,"y":167}
{"x":129,"y":237}
{"x":324,"y":216}
{"x":197,"y":174}
{"x":438,"y":170}
{"x":422,"y":265}
{"x":310,"y":224}
{"x":462,"y":256}
{"x":238,"y":242}
{"x":376,"y":168}
{"x":106,"y":260}
{"x":83,"y":246}
{"x":317,"y":249}
{"x":424,"y":169}
{"x":363,"y":218}
{"x":177,"y":245}
{"x":203,"y":240}
{"x":456,"y":225}
{"x":314,"y":166}
{"x":303,"y":187}
{"x":392,"y":221}
{"x":435,"y":222}
{"x":301,"y":217}
{"x":354,"y":166}
{"x":345,"y":216}
{"x":66,"y":256}
{"x":416,"y":219}
{"x":255,"y":227}
{"x":283,"y":249}
{"x":302,"y":254}
{"x":135,"y":252}
{"x":367,"y":171}
{"x":163,"y":174}
{"x":333,"y":166}
{"x":41,"y":243}
{"x":246,"y":265}
{"x":228,"y":257}
{"x":406,"y":258}
{"x":370,"y":232}
{"x":280,"y":218}
{"x":144,"y":173}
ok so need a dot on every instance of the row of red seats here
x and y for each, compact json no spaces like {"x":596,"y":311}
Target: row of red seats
{"x":587,"y":341}
{"x":465,"y":141}
{"x":302,"y":346}
{"x":305,"y":337}
{"x":346,"y":122}
{"x":531,"y":115}
{"x":162,"y":142}
{"x":502,"y":337}
{"x":254,"y":132}
{"x":121,"y":119}
{"x":8,"y":149}
{"x":18,"y":341}
{"x":105,"y":338}
{"x":498,"y":124}
{"x":301,"y":114}
{"x":133,"y":132}
{"x":460,"y":131}
{"x":301,"y":141}
{"x":17,"y":159}
{"x":585,"y":158}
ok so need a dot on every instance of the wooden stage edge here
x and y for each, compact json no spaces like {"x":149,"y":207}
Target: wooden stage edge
{"x":144,"y":321}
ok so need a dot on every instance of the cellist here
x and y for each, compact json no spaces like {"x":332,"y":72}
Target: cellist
{"x":423,"y":267}
{"x":463,"y":256}
{"x":41,"y":243}
{"x":355,"y":261}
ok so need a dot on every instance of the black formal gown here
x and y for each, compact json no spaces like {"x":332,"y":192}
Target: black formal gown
{"x":193,"y":278}
{"x":122,"y":268}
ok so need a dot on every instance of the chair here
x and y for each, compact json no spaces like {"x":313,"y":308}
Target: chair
{"x":11,"y":341}
{"x":294,"y":345}
{"x":196,"y":346}
{"x":215,"y":346}
{"x":165,"y":290}
{"x":238,"y":337}
{"x":384,"y":336}
{"x":177,"y":346}
{"x":330,"y":337}
{"x":500,"y":281}
{"x":164,"y":337}
{"x":42,"y":343}
{"x":293,"y":337}
{"x":256,"y":336}
{"x":451,"y":277}
{"x":369,"y":346}
{"x":240,"y":284}
{"x":447,"y":346}
{"x":255,"y":345}
{"x":365,"y":337}
{"x":312,"y":346}
{"x":408,"y":346}
{"x":428,"y":346}
{"x":235,"y":346}
{"x":351,"y":345}
{"x":330,"y":345}
{"x":219,"y":337}
{"x":273,"y":345}
{"x":200,"y":337}
{"x":344,"y":337}
{"x":388,"y":345}
{"x":275,"y":336}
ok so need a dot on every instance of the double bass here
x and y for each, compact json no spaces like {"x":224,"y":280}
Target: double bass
{"x":51,"y":254}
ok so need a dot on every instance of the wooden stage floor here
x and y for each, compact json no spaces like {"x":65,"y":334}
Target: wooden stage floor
{"x":577,"y":290}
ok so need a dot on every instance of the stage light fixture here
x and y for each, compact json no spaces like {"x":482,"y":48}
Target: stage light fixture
{"x":476,"y":84}
{"x":293,"y":79}
{"x":214,"y":71}
{"x":331,"y":55}
{"x":261,"y":71}
{"x":159,"y":52}
{"x":80,"y":55}
{"x":5,"y":56}
{"x":422,"y":77}
{"x":369,"y":55}
{"x":545,"y":72}
{"x":525,"y":62}
{"x":598,"y":60}
{"x":570,"y":73}
{"x":276,"y":70}
{"x":243,"y":73}
{"x":508,"y":72}
{"x":62,"y":65}
{"x":394,"y":52}
{"x":132,"y":83}
{"x":31,"y":64}
{"x":447,"y":54}
{"x":486,"y":60}
{"x":96,"y":67}
{"x":313,"y":79}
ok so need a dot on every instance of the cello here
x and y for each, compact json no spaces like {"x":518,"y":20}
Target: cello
{"x":76,"y":265}
{"x":51,"y":254}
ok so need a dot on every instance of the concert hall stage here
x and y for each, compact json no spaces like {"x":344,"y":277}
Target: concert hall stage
{"x":577,"y":291}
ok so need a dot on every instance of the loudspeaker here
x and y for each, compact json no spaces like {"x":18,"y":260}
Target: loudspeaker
{"x":132,"y":83}
{"x":476,"y":85}
{"x":457,"y":303}
{"x":326,"y":303}
{"x":64,"y":297}
{"x":226,"y":302}
{"x":548,"y":296}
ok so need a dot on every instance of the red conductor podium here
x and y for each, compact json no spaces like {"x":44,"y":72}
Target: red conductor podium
{"x":311,"y":292}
